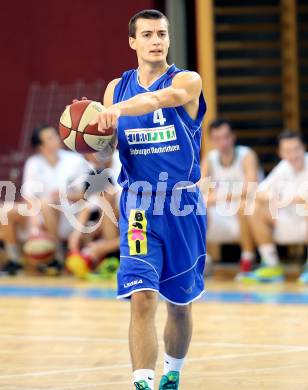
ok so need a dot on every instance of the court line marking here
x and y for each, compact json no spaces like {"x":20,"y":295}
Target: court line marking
{"x":125,"y":341}
{"x":196,"y":375}
{"x":123,"y":365}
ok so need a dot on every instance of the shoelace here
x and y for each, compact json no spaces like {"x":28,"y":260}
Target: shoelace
{"x":140,"y":387}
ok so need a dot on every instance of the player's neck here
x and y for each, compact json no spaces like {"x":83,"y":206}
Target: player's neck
{"x":148,"y":73}
{"x":227,"y":158}
{"x":51,"y":158}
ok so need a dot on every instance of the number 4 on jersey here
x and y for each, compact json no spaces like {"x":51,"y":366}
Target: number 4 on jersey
{"x":158,"y":117}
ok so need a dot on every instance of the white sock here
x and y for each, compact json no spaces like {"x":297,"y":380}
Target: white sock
{"x":269,"y":254}
{"x":248,"y":256}
{"x":145,"y":375}
{"x":172,"y":364}
{"x":13,"y":252}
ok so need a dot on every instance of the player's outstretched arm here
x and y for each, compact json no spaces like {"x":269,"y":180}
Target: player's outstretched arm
{"x":185,"y":87}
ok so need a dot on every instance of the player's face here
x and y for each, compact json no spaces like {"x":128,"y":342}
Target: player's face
{"x":293,"y":151}
{"x":152,"y":40}
{"x":223,"y":139}
{"x":50,"y":141}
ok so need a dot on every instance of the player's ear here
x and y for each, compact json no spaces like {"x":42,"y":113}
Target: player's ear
{"x":132,"y":43}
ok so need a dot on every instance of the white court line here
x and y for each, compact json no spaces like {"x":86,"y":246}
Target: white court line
{"x":196,"y":375}
{"x":125,"y":341}
{"x":64,"y":338}
{"x":116,"y":366}
{"x":71,"y":370}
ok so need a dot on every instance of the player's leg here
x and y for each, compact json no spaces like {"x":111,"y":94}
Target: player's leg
{"x":143,"y":342}
{"x":138,"y":279}
{"x":246,"y":240}
{"x":182,"y":281}
{"x":177,"y":337}
{"x":262,"y":226}
{"x":9,"y":236}
{"x":51,"y":220}
{"x":304,"y":275}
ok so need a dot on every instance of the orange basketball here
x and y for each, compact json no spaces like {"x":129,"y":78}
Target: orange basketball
{"x":75,"y":131}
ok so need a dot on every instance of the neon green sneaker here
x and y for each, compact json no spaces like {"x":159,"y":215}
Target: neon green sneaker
{"x":141,"y":385}
{"x":107,"y":270}
{"x":170,"y":381}
{"x":304,"y":276}
{"x":264,"y":274}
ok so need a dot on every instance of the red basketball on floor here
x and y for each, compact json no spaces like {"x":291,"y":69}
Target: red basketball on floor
{"x":75,"y":131}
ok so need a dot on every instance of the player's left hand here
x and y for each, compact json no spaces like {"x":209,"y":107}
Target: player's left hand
{"x":107,"y":118}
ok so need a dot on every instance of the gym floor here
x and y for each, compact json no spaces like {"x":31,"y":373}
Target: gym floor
{"x":61,"y":334}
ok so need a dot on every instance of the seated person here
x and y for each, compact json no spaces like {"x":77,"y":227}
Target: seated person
{"x":227,"y":166}
{"x":46,"y":173}
{"x":104,"y":240}
{"x":281,"y":208}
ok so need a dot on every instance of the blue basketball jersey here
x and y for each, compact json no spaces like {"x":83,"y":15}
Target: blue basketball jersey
{"x":167,"y":140}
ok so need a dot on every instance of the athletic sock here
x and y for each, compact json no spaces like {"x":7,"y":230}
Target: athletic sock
{"x":172,"y":364}
{"x":269,"y":254}
{"x":145,"y":375}
{"x":248,"y":256}
{"x":13,"y":253}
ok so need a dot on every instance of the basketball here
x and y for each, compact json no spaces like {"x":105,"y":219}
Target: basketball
{"x":75,"y":131}
{"x":40,"y":248}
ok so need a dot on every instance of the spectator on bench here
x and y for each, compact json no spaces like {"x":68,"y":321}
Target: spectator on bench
{"x":52,"y":169}
{"x":281,"y":209}
{"x":229,"y":165}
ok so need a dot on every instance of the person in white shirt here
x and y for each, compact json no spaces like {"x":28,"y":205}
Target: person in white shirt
{"x":229,"y":168}
{"x":281,"y":209}
{"x":107,"y":227}
{"x":47,"y":173}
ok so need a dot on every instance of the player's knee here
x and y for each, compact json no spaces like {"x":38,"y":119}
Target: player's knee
{"x":179,"y":311}
{"x":13,"y":215}
{"x":144,"y":303}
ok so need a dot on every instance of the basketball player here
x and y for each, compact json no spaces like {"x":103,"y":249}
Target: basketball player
{"x":157,"y":110}
{"x":228,"y":165}
{"x":281,"y":209}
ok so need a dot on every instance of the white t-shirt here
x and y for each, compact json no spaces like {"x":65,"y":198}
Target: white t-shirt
{"x":231,"y":177}
{"x":232,"y":173}
{"x":284,"y":182}
{"x":70,"y":168}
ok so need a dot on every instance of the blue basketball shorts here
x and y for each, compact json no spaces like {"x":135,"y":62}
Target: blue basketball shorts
{"x":162,"y":244}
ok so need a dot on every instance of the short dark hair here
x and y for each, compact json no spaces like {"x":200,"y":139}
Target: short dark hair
{"x":145,"y":14}
{"x":35,"y":139}
{"x":290,"y":134}
{"x":215,"y":124}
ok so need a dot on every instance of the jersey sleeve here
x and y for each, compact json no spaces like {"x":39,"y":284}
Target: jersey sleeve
{"x":273,"y":178}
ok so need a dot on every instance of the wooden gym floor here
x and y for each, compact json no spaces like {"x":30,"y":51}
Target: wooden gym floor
{"x":62,"y":334}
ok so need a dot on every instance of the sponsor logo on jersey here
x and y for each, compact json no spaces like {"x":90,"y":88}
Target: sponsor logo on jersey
{"x":137,"y":233}
{"x":151,"y":135}
{"x":133,"y":283}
